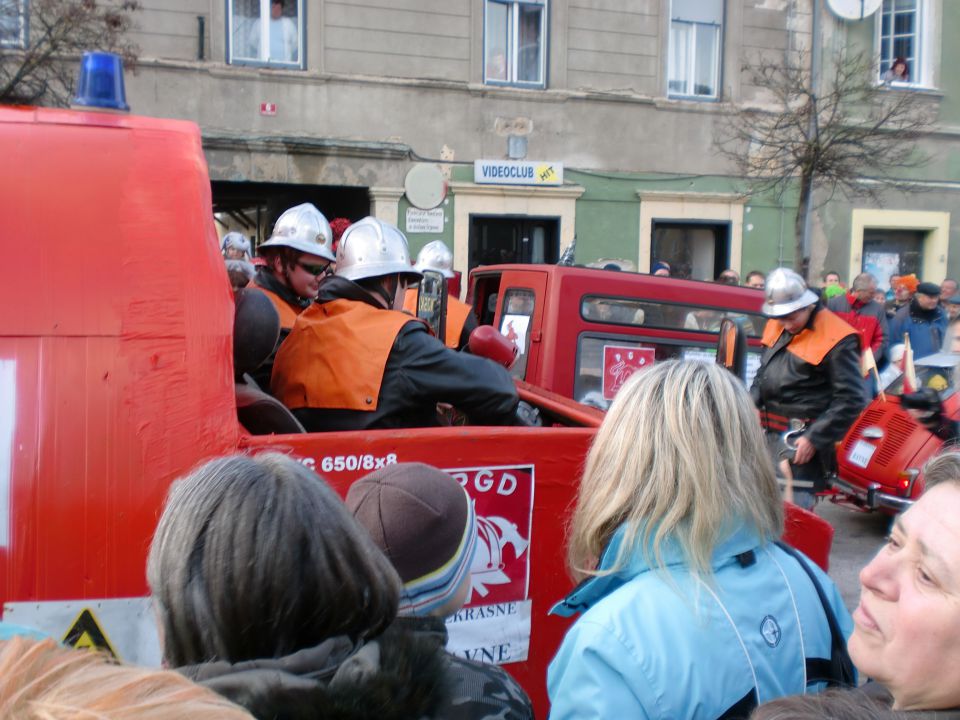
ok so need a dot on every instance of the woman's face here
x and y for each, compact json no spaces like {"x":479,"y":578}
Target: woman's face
{"x":907,"y":626}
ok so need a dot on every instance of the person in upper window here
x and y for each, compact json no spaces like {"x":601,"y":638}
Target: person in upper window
{"x":899,"y":72}
{"x":354,"y":360}
{"x":461,"y":320}
{"x":809,"y":380}
{"x":923,"y":319}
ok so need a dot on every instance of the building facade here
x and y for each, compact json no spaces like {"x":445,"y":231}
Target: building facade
{"x":611,"y":105}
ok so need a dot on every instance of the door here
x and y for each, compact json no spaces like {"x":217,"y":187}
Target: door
{"x":892,"y":252}
{"x":695,"y":250}
{"x":499,"y":240}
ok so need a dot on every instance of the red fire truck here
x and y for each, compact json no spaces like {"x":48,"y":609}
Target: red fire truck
{"x":582,"y":332}
{"x":117,"y":376}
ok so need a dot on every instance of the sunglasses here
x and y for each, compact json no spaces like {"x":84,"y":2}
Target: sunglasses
{"x":314,"y":270}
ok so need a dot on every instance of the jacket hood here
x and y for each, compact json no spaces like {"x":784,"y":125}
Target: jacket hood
{"x":737,"y":539}
{"x":398,"y":675}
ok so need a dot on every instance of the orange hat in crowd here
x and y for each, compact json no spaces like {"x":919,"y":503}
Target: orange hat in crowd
{"x":910,"y":282}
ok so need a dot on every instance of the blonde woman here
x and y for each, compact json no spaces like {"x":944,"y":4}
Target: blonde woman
{"x":40,"y":680}
{"x":689,"y":608}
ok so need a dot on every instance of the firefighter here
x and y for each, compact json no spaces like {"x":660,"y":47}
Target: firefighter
{"x":808,"y":381}
{"x":298,"y":254}
{"x":354,"y":361}
{"x":461,"y":320}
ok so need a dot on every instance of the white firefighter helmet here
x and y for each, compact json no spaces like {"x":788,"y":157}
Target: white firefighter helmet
{"x":372,"y":248}
{"x":786,"y":292}
{"x":303,"y":228}
{"x":436,"y":256}
{"x":235,"y":241}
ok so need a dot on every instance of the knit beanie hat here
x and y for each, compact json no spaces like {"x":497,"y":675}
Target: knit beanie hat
{"x":424,"y":522}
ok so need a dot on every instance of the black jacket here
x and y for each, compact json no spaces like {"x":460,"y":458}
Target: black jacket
{"x":478,"y":691}
{"x":420,"y":372}
{"x":395,"y":677}
{"x":831,"y":393}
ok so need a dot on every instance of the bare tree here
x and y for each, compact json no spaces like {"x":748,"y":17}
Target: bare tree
{"x":41,"y":40}
{"x":854,"y":136}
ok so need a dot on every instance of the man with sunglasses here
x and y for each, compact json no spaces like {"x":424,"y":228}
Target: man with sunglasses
{"x":808,"y":381}
{"x":298,"y":255}
{"x":354,"y":361}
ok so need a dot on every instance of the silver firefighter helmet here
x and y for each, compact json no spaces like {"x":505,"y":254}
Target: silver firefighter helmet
{"x":785,"y":292}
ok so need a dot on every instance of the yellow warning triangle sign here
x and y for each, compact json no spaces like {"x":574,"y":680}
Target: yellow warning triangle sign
{"x":85,"y":632}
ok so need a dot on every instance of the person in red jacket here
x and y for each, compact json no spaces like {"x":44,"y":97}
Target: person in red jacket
{"x":867,"y":317}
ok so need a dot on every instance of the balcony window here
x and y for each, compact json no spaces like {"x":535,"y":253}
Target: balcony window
{"x":695,"y":42}
{"x":13,"y":23}
{"x":901,"y":42}
{"x":265,"y":32}
{"x":515,"y":42}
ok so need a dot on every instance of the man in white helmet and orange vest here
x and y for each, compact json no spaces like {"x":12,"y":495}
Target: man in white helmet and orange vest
{"x":298,"y":255}
{"x":354,"y":360}
{"x":461,"y":320}
{"x":808,"y":381}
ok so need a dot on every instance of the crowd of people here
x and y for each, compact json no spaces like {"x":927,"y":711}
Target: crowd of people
{"x":275,"y":598}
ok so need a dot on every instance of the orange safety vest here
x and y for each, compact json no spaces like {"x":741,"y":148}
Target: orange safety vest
{"x":457,"y":314}
{"x":288,"y":313}
{"x":335,"y":356}
{"x":812,"y":343}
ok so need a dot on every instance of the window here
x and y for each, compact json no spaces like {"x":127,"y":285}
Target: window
{"x":515,"y":319}
{"x":13,"y":23}
{"x":265,"y":32}
{"x":588,"y":383}
{"x":515,"y":42}
{"x":900,"y":41}
{"x":694,"y":61}
{"x":669,"y":316}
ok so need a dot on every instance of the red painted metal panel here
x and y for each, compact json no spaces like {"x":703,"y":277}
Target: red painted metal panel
{"x":120,"y":343}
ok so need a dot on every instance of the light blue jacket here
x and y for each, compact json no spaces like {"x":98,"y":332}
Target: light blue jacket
{"x":644,"y":650}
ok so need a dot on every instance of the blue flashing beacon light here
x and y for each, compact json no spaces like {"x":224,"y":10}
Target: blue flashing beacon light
{"x":100,"y":84}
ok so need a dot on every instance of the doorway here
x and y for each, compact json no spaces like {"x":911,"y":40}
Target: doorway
{"x":695,"y":250}
{"x":497,"y":240}
{"x":892,"y":252}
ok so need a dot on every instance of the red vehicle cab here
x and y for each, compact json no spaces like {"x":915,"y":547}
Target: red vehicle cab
{"x":117,"y":376}
{"x":582,"y":331}
{"x":880,"y":459}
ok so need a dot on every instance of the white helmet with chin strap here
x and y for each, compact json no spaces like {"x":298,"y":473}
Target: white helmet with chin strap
{"x":372,"y":248}
{"x":436,"y":256}
{"x":303,"y":228}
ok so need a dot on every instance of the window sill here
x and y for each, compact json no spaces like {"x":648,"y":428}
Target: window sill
{"x":906,"y":87}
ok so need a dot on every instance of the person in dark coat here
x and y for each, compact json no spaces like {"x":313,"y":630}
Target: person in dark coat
{"x":425,"y":523}
{"x":270,"y":593}
{"x":923,"y":320}
{"x":809,"y":381}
